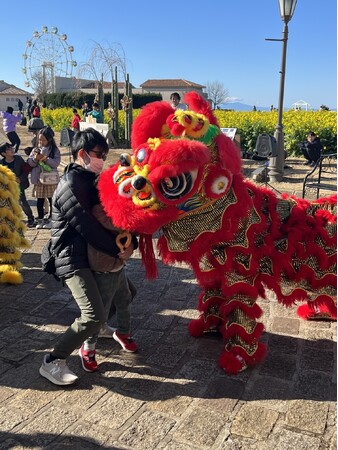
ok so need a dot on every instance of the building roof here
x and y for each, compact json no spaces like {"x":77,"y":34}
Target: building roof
{"x":10,"y":89}
{"x":173,"y":83}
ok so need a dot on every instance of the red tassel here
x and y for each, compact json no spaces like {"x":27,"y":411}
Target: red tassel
{"x":148,"y":255}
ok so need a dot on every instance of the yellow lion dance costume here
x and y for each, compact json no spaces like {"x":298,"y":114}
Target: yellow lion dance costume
{"x":11,"y":228}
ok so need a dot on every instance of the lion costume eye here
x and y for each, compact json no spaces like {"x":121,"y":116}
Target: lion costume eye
{"x":141,"y":155}
{"x":173,"y":188}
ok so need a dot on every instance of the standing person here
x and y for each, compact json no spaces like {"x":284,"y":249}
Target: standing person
{"x":47,"y":153}
{"x":312,"y":149}
{"x":20,"y":105}
{"x":116,"y":291}
{"x":75,"y":124}
{"x":28,"y":107}
{"x":74,"y":227}
{"x":9,"y":126}
{"x":17,"y":165}
{"x":35,"y":109}
{"x":85,"y":110}
{"x":175,"y":101}
{"x":34,"y":126}
{"x":96,"y":113}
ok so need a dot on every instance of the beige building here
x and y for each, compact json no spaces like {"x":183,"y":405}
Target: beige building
{"x":167,"y":87}
{"x":10,"y":95}
{"x":163,"y":87}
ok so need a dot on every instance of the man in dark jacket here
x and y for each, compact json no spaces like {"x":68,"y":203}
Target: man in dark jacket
{"x":74,"y":227}
{"x":312,"y":149}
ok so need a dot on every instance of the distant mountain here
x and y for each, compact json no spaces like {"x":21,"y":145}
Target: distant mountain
{"x":236,"y":106}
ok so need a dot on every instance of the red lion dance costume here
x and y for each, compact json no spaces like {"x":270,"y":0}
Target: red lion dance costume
{"x":184,"y":177}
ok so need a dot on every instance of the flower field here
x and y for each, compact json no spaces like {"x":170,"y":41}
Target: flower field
{"x":249,"y":125}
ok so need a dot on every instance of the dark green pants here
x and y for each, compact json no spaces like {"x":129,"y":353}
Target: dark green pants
{"x":88,"y":298}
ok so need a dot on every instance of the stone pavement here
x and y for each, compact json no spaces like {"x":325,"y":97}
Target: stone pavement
{"x":171,"y":394}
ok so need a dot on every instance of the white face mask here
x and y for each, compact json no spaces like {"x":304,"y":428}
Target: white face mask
{"x":94,"y":165}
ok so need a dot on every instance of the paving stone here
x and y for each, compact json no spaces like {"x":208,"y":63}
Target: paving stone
{"x":287,"y":440}
{"x":54,"y":419}
{"x":147,"y":431}
{"x":314,"y":385}
{"x":108,"y":413}
{"x":167,"y":356}
{"x":200,"y":428}
{"x":317,"y":359}
{"x":254,"y":422}
{"x":280,"y":365}
{"x":10,"y":418}
{"x":284,"y":325}
{"x":308,"y":416}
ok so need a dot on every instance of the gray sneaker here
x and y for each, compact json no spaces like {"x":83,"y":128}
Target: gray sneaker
{"x":106,"y":331}
{"x":39,"y":224}
{"x":47,"y":224}
{"x":57,"y":372}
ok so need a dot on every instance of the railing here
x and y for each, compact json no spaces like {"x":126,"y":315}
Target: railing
{"x":323,"y":176}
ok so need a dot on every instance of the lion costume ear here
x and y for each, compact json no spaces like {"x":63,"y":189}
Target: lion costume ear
{"x":198,"y":104}
{"x":149,"y":124}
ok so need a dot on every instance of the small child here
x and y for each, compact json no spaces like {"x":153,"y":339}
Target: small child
{"x":75,"y":124}
{"x":47,"y":153}
{"x":116,"y":290}
{"x":17,"y":165}
{"x":9,"y":126}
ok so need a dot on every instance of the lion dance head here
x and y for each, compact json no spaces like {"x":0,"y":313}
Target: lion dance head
{"x":181,"y":161}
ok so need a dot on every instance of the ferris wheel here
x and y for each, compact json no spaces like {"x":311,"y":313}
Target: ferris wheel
{"x":47,"y":55}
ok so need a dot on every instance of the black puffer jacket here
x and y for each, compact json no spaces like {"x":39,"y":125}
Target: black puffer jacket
{"x":72,"y":219}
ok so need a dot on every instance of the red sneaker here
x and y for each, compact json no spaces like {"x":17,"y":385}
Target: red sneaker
{"x":88,"y":359}
{"x":125,"y":341}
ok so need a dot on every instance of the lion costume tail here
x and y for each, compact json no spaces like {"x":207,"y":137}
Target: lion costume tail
{"x":11,"y":228}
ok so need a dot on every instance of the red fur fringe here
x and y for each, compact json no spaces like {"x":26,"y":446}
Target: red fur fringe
{"x":232,"y":365}
{"x":198,"y":326}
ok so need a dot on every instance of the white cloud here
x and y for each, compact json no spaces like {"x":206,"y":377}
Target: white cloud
{"x":232,"y":99}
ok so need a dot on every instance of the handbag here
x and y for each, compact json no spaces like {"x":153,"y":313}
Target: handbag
{"x":49,"y":177}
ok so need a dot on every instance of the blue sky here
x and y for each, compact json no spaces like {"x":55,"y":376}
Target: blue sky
{"x":219,"y":40}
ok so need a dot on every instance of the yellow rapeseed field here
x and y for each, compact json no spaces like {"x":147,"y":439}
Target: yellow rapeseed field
{"x":249,"y":125}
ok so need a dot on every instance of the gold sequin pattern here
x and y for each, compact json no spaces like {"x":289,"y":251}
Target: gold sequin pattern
{"x":181,"y":233}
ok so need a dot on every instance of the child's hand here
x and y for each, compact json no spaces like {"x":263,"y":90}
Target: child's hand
{"x":126,"y":254}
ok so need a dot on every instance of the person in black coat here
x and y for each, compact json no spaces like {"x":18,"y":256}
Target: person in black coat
{"x":75,"y":226}
{"x":20,"y":168}
{"x":312,"y":149}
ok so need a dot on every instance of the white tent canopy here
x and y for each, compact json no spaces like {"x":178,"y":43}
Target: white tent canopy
{"x":301,"y":105}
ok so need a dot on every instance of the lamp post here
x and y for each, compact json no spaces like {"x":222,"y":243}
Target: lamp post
{"x":276,"y":172}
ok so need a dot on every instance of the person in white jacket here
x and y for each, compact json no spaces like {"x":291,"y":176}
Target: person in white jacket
{"x":9,"y":126}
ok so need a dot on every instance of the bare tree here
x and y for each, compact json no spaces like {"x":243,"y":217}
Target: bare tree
{"x":42,"y":83}
{"x":217,"y":93}
{"x":103,"y":60}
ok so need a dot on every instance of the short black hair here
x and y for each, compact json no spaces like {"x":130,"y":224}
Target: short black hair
{"x":87,"y":140}
{"x":311,"y":133}
{"x":175,"y":94}
{"x":9,"y":110}
{"x":4,"y":147}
